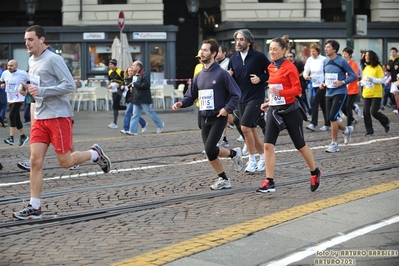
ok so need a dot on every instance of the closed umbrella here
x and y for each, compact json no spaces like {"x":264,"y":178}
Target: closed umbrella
{"x":126,"y":59}
{"x":116,"y":49}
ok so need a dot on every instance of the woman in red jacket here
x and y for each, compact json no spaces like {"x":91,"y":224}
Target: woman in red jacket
{"x":284,"y":112}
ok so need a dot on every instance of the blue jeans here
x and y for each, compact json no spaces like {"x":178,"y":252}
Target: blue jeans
{"x":137,"y":109}
{"x":3,"y":103}
{"x":128,"y":116}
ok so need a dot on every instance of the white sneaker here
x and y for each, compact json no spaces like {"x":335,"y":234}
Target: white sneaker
{"x":113,"y":126}
{"x":332,"y":148}
{"x":245,"y":150}
{"x":324,"y":128}
{"x":240,"y":139}
{"x":348,"y":136}
{"x":237,"y":160}
{"x":131,"y":133}
{"x":251,"y":167}
{"x":357,"y":110}
{"x":396,"y":112}
{"x":339,"y":119}
{"x":223,"y":144}
{"x":311,"y":127}
{"x":160,"y":129}
{"x":260,"y":167}
{"x":144,"y":129}
{"x":123,"y":131}
{"x":221,"y":184}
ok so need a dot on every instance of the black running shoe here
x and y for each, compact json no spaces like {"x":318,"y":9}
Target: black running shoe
{"x":24,"y":165}
{"x":103,"y":161}
{"x":266,"y":187}
{"x":315,"y":181}
{"x":23,"y":140}
{"x":28,"y":213}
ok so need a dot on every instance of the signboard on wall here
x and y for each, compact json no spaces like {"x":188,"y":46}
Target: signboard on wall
{"x":149,"y":35}
{"x":93,"y":35}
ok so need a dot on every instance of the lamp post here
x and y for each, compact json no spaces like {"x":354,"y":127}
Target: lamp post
{"x":193,"y":6}
{"x":347,"y":6}
{"x":30,"y":10}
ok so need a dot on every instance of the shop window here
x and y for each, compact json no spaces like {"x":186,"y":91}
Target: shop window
{"x":111,"y":2}
{"x":71,"y":54}
{"x":157,"y":58}
{"x":100,"y":54}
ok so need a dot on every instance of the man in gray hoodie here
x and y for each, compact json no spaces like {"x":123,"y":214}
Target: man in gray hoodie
{"x":50,"y":82}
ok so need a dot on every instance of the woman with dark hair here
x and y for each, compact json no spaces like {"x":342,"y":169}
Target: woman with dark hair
{"x":372,"y":79}
{"x":284,"y":112}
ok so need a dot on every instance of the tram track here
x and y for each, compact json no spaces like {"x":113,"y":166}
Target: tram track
{"x":18,"y":227}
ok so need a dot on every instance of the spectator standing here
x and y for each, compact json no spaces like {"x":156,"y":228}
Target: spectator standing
{"x":218,"y":96}
{"x":127,"y":87}
{"x":115,"y":78}
{"x":11,"y":79}
{"x":372,"y":79}
{"x":314,"y":71}
{"x":141,"y":99}
{"x":387,"y":89}
{"x":50,"y":82}
{"x":353,"y":89}
{"x":248,"y":68}
{"x":284,"y":112}
{"x":393,"y":68}
{"x":335,"y":79}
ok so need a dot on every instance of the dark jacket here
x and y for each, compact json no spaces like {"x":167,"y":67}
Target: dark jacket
{"x":225,"y":90}
{"x":141,"y":88}
{"x":255,"y":63}
{"x":128,"y":84}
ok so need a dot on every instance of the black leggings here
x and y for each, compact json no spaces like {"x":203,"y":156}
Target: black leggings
{"x":294,"y":124}
{"x":371,"y":107}
{"x":211,"y":130}
{"x":260,"y":122}
{"x":116,"y":105}
{"x":348,"y":108}
{"x":15,"y":117}
{"x":319,"y":99}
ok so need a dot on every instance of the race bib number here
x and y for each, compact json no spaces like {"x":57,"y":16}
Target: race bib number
{"x":35,"y":81}
{"x":330,"y":78}
{"x":273,"y":99}
{"x":12,"y":90}
{"x":113,"y":87}
{"x":366,"y":83}
{"x":206,"y":100}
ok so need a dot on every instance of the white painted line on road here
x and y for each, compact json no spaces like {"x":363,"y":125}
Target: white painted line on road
{"x":330,"y":243}
{"x":174,"y":165}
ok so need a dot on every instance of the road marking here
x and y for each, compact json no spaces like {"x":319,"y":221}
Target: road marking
{"x":297,"y":256}
{"x":176,"y":165}
{"x":231,"y":233}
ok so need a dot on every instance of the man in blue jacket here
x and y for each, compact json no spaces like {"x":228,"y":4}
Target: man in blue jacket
{"x":218,"y":95}
{"x":249,"y":69}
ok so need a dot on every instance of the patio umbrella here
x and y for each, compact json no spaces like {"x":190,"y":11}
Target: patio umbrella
{"x":116,"y":50}
{"x":126,"y":61}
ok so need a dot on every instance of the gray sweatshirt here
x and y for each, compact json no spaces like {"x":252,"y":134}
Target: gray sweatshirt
{"x":54,"y":81}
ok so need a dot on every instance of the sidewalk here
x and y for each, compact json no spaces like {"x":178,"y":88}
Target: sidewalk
{"x":311,"y":233}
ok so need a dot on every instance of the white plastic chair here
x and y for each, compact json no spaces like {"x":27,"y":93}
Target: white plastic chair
{"x":87,"y":95}
{"x":178,"y":94}
{"x":102,"y":95}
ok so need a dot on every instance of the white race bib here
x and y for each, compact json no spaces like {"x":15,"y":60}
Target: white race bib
{"x":113,"y":87}
{"x":329,"y":80}
{"x":206,"y":100}
{"x":35,"y":81}
{"x":273,"y":99}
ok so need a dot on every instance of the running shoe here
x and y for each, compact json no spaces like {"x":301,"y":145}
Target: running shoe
{"x":9,"y":140}
{"x":315,"y":181}
{"x":24,"y":165}
{"x":123,"y":131}
{"x":113,"y":126}
{"x":245,"y":150}
{"x":76,"y":166}
{"x":311,"y":127}
{"x":396,"y":112}
{"x":230,"y":126}
{"x":240,"y":139}
{"x":103,"y":161}
{"x":251,"y":167}
{"x":131,"y":133}
{"x":28,"y":213}
{"x":357,"y":110}
{"x":354,"y":123}
{"x":223,"y":144}
{"x":266,"y":187}
{"x":324,"y":128}
{"x":221,"y":184}
{"x":237,"y":160}
{"x":348,"y":136}
{"x":260,"y":166}
{"x":144,"y":129}
{"x":387,"y":128}
{"x":23,"y":140}
{"x":160,"y":129}
{"x":332,"y":148}
{"x":339,"y":119}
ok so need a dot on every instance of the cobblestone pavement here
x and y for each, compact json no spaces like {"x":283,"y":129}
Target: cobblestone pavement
{"x":169,"y":168}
